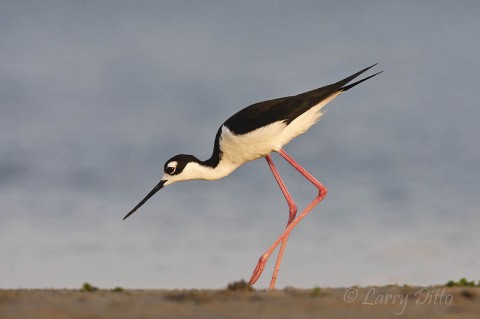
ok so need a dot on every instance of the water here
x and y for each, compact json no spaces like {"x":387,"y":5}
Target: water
{"x":92,"y":105}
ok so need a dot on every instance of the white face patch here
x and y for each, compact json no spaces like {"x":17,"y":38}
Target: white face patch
{"x":171,"y":167}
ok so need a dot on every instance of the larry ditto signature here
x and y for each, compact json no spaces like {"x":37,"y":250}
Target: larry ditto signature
{"x":423,"y":296}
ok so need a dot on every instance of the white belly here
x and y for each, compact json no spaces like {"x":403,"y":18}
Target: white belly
{"x":238,"y":149}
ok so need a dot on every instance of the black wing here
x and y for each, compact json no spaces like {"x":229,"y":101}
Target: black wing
{"x":286,"y":108}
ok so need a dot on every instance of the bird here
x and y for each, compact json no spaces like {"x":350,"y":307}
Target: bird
{"x":255,"y":132}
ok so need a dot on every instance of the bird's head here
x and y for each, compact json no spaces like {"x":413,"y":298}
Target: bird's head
{"x":179,"y":168}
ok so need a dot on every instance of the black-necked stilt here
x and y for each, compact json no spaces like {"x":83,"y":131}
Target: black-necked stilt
{"x":255,"y":132}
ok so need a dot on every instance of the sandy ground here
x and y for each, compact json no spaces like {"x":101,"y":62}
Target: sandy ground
{"x":365,"y":302}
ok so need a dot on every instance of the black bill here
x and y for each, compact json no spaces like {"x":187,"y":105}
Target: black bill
{"x":152,"y":192}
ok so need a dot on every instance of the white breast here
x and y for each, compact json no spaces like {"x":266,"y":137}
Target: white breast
{"x":242,"y":148}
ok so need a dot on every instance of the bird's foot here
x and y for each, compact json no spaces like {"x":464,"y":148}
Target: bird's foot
{"x":257,"y":272}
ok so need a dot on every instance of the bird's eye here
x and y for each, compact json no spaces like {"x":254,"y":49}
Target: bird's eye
{"x":170,"y":170}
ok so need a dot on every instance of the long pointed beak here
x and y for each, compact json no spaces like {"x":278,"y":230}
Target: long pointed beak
{"x":152,"y":192}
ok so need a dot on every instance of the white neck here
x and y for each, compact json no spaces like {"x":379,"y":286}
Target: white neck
{"x":199,"y":171}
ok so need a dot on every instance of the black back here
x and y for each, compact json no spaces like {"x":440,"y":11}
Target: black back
{"x":287,"y":108}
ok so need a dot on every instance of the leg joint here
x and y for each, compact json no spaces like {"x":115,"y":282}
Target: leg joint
{"x":292,"y":208}
{"x":322,"y":191}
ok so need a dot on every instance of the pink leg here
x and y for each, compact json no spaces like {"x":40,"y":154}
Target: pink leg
{"x":322,"y":192}
{"x":292,"y":209}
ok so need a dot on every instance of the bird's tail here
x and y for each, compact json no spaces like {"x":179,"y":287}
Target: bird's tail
{"x":341,"y":85}
{"x":338,"y":87}
{"x":348,"y":87}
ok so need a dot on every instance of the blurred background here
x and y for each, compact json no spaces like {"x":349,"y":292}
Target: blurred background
{"x":96,"y":96}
